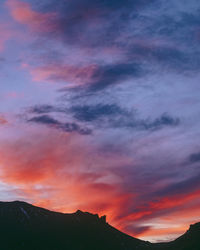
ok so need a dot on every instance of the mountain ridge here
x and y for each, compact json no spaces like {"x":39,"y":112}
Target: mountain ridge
{"x":32,"y":227}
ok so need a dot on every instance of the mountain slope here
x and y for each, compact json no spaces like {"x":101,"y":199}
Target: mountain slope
{"x":26,"y":227}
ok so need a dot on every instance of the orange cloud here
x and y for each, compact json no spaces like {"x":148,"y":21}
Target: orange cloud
{"x":63,"y":167}
{"x":168,"y":205}
{"x":173,"y":213}
{"x":173,"y":225}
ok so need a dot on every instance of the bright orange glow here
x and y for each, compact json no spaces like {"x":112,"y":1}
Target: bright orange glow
{"x":50,"y":170}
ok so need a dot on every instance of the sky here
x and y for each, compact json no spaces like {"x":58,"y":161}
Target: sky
{"x":100,"y":110}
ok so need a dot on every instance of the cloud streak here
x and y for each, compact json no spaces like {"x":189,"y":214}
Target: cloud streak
{"x":53,"y":123}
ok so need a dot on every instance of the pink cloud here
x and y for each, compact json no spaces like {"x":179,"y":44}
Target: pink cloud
{"x":6,"y":34}
{"x":23,"y":14}
{"x":13,"y":95}
{"x":62,"y":73}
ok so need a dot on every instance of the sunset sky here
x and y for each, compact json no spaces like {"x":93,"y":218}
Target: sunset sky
{"x":100,"y":110}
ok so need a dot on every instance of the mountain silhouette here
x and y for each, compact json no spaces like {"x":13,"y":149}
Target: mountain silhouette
{"x":27,"y":227}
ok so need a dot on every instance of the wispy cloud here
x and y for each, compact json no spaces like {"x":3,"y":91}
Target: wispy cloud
{"x":66,"y":127}
{"x":102,"y":116}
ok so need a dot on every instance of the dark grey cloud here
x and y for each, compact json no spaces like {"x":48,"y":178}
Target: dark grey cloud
{"x":145,"y":197}
{"x":91,"y":113}
{"x":171,"y":191}
{"x":108,"y":75}
{"x":164,"y":120}
{"x":172,"y":27}
{"x":194,"y":157}
{"x":76,"y":19}
{"x":162,"y":39}
{"x":166,"y":54}
{"x":41,"y":109}
{"x":117,"y":117}
{"x":44,"y":119}
{"x":180,"y":188}
{"x":130,"y":121}
{"x":66,"y":127}
{"x":103,"y":115}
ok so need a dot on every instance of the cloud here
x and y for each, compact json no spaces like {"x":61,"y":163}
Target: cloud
{"x":194,"y":157}
{"x":71,"y":74}
{"x":168,"y":56}
{"x":91,"y":113}
{"x":6,"y":34}
{"x":23,"y":13}
{"x":112,"y":74}
{"x":41,"y":109}
{"x":164,"y":120}
{"x":77,"y":20}
{"x":92,"y":77}
{"x":123,"y":70}
{"x":186,"y":186}
{"x":137,"y":230}
{"x":84,"y":31}
{"x":116,"y":117}
{"x":53,"y":123}
{"x":103,"y":116}
{"x":3,"y":120}
{"x":45,"y":119}
{"x":55,"y":170}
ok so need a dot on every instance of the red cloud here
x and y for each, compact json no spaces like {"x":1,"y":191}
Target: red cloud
{"x":65,"y":172}
{"x":3,"y":120}
{"x":65,"y":168}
